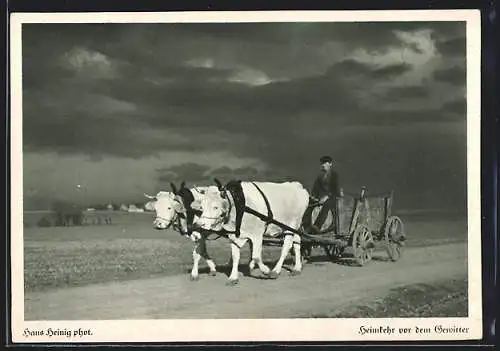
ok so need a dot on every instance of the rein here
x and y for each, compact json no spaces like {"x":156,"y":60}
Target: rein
{"x":175,"y":222}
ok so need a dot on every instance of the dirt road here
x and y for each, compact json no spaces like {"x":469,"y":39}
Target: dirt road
{"x":320,"y":287}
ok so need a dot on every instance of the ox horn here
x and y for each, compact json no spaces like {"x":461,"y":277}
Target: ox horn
{"x":183,"y":184}
{"x":149,"y":196}
{"x":219,"y":184}
{"x":174,"y":189}
{"x":198,"y":190}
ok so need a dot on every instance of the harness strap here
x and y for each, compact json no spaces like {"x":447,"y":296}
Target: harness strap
{"x":270,"y":220}
{"x":187,"y":199}
{"x":226,"y":220}
{"x":270,"y":215}
{"x":236,"y":191}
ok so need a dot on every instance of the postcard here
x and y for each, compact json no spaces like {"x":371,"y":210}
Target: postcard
{"x":266,"y":176}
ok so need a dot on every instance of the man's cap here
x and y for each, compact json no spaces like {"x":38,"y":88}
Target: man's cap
{"x":325,"y":159}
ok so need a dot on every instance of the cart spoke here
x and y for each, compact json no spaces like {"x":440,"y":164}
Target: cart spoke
{"x":362,"y":244}
{"x":394,"y":235}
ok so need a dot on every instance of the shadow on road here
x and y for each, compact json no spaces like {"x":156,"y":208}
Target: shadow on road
{"x":315,"y":260}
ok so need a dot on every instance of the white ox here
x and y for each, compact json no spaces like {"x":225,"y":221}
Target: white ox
{"x":288,"y":201}
{"x":171,"y":212}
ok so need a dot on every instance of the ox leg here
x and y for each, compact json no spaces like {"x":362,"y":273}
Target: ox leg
{"x":297,"y":268}
{"x":285,"y":249}
{"x":251,"y":263}
{"x":236,"y":245}
{"x":257,"y":257}
{"x":196,"y":261}
{"x":204,"y":254}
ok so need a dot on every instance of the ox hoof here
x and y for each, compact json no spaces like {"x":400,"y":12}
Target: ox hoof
{"x":194,"y":278}
{"x":213,"y":273}
{"x":295,"y":272}
{"x":254,"y":272}
{"x":273,"y":275}
{"x":232,"y":282}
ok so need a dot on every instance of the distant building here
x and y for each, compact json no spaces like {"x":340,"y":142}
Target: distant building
{"x":134,"y":208}
{"x":110,"y":207}
{"x":123,"y":207}
{"x":90,"y":209}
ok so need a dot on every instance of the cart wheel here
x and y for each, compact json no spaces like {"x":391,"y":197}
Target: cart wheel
{"x":362,"y":244}
{"x":394,"y":237}
{"x":333,"y":252}
{"x":329,"y":223}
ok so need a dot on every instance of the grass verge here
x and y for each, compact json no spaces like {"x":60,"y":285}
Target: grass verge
{"x":442,"y":299}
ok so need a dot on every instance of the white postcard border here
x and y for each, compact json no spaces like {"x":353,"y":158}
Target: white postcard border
{"x":206,"y":330}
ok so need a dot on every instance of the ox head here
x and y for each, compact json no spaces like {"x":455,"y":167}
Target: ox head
{"x":214,"y":207}
{"x":166,"y":206}
{"x":186,"y":214}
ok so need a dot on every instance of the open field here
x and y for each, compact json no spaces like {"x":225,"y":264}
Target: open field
{"x":131,"y":264}
{"x":131,"y":249}
{"x":31,"y":218}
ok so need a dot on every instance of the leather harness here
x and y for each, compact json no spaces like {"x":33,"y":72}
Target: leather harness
{"x":236,"y":191}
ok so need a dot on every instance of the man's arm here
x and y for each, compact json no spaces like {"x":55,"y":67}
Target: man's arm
{"x":315,"y":191}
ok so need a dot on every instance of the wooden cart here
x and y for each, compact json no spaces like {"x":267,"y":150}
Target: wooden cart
{"x":357,"y":224}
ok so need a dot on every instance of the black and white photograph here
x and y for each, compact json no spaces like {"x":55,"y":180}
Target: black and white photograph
{"x":226,"y":169}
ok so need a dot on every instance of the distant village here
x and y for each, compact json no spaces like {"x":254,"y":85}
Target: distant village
{"x":115,"y":207}
{"x":69,"y":214}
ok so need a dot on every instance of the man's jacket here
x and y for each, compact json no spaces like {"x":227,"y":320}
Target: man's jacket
{"x":326,"y":185}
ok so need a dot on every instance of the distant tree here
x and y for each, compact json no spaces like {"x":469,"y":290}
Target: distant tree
{"x":44,"y":222}
{"x":99,"y":207}
{"x":67,"y":213}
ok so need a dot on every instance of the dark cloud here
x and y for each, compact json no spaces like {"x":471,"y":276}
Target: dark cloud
{"x":352,"y":67}
{"x":452,"y":47}
{"x":277,"y":48}
{"x":456,"y":107}
{"x":415,"y":92}
{"x":191,"y":104}
{"x":453,"y":75}
{"x":134,"y":90}
{"x":196,"y":174}
{"x":49,"y":126}
{"x":227,"y":173}
{"x":188,"y":172}
{"x":400,"y":117}
{"x":328,"y":92}
{"x":391,"y":71}
{"x":370,"y":35}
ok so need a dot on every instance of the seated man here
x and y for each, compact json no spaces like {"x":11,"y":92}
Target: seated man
{"x":325,"y":190}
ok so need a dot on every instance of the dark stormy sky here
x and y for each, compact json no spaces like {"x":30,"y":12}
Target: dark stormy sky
{"x":123,"y":109}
